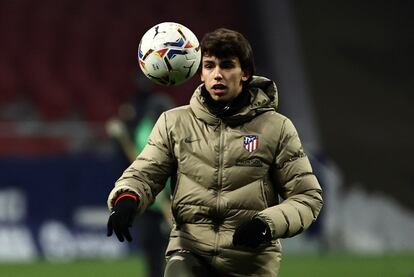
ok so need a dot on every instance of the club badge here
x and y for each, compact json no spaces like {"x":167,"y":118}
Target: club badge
{"x":250,"y":142}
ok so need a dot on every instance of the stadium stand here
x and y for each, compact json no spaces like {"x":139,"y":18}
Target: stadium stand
{"x":80,"y":56}
{"x":72,"y":60}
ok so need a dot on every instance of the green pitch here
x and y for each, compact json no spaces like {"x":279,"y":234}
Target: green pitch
{"x":348,"y":265}
{"x":292,"y":266}
{"x":131,"y":266}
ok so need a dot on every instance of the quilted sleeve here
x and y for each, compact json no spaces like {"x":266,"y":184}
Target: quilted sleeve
{"x":296,"y":184}
{"x":147,"y":175}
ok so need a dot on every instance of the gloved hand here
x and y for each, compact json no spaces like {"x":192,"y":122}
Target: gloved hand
{"x":252,"y":233}
{"x":122,"y":216}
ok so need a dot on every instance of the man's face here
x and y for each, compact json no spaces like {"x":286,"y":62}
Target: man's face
{"x":222,"y":77}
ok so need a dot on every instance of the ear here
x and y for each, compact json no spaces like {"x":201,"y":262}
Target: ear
{"x":246,"y":76}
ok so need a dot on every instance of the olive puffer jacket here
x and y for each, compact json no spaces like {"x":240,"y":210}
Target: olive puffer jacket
{"x":225,"y":171}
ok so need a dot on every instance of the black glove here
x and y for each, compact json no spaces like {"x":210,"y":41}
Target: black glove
{"x":252,"y":233}
{"x":122,"y":216}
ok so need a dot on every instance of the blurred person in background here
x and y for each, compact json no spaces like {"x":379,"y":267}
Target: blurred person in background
{"x":241,"y":179}
{"x":130,"y":131}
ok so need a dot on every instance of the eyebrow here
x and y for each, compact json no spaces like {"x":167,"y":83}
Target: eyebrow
{"x":226,"y":60}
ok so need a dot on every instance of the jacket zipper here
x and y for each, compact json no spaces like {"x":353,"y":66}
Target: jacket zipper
{"x":264,"y":194}
{"x":219,"y":183}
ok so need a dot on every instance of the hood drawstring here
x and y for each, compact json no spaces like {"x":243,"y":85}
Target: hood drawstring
{"x":217,"y":126}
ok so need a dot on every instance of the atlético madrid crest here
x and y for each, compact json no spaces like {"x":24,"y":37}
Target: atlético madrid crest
{"x":250,"y":142}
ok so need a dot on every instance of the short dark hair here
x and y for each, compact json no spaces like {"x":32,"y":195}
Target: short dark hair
{"x":225,"y":43}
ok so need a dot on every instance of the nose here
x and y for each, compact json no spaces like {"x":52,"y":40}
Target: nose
{"x":217,"y":74}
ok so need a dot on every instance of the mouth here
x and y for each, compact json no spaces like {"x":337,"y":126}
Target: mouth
{"x":218,"y":88}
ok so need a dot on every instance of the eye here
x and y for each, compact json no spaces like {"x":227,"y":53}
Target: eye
{"x":227,"y":65}
{"x":208,"y":65}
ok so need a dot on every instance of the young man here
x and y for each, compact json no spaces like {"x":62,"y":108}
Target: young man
{"x":231,"y":156}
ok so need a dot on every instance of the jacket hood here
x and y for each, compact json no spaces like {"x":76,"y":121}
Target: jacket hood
{"x":263,"y":98}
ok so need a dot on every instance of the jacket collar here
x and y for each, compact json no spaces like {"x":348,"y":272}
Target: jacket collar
{"x":263,"y":97}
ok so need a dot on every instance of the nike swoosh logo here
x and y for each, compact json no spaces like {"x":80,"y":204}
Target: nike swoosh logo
{"x":264,"y":232}
{"x":190,"y":140}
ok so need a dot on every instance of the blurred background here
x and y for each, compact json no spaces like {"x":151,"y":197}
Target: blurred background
{"x":68,"y":71}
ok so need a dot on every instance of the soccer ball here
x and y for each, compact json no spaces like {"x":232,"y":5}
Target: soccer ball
{"x":169,"y":54}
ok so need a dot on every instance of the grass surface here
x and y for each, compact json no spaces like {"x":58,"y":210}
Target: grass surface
{"x":348,"y":265}
{"x":292,"y":266}
{"x":131,"y":267}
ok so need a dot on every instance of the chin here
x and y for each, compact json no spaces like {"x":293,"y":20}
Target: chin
{"x":220,"y":99}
